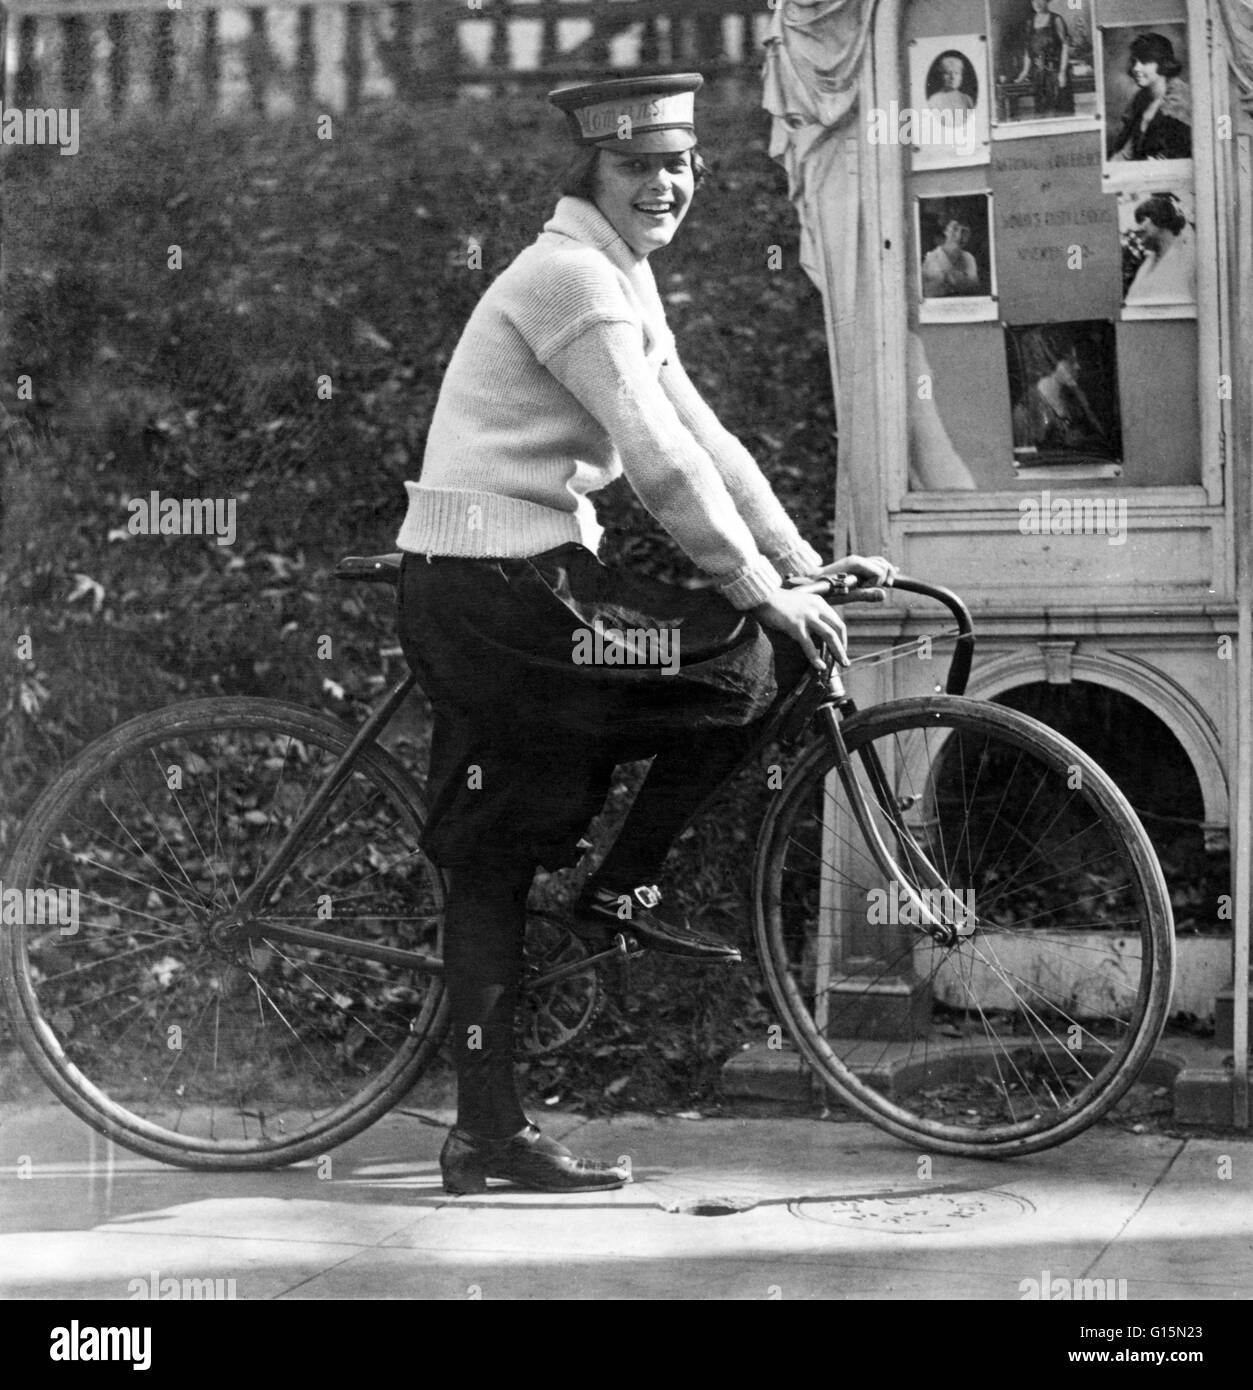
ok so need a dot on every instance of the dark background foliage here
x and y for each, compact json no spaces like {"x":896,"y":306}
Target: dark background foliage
{"x":346,"y":257}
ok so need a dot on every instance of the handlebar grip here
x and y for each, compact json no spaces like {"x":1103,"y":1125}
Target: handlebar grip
{"x":829,"y":585}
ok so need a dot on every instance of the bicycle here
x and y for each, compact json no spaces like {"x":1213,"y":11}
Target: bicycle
{"x":957,"y":914}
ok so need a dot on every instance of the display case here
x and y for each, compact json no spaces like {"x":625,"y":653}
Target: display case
{"x":1032,"y":223}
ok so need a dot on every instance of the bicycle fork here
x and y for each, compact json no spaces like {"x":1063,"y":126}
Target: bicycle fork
{"x":955,"y":921}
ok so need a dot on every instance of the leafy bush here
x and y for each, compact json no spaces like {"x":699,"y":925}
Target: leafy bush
{"x":345,"y":258}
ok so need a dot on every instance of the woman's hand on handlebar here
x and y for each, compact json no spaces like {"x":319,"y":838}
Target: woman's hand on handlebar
{"x":864,"y":577}
{"x":872,"y":572}
{"x":807,"y":618}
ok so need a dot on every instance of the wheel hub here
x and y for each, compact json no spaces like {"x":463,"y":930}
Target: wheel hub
{"x":230,"y":933}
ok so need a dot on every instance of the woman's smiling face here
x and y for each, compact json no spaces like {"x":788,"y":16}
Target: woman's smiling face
{"x":1143,"y":73}
{"x":644,"y":197}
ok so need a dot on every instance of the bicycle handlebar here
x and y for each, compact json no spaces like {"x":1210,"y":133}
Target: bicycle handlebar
{"x":963,"y":654}
{"x":959,"y":667}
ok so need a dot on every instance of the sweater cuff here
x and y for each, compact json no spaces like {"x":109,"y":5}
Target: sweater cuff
{"x":751,"y":586}
{"x":801,"y":559}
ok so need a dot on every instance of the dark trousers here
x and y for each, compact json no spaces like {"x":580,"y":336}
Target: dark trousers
{"x":485,"y":921}
{"x":524,"y":751}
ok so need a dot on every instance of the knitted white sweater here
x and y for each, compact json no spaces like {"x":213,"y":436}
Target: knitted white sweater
{"x":565,"y":377}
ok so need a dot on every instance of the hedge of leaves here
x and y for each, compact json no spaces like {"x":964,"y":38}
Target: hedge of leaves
{"x":347,"y":258}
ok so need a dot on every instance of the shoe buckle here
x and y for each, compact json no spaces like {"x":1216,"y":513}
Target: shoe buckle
{"x":648,"y":896}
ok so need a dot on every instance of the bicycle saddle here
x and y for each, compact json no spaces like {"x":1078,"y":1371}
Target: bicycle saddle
{"x":370,"y":569}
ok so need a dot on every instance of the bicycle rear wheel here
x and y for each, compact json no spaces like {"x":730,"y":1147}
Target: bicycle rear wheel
{"x":1018,"y":1035}
{"x":206,"y":1047}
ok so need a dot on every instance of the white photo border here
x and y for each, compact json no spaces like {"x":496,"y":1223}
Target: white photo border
{"x":1027,"y":469}
{"x":975,"y":308}
{"x":1078,"y":124}
{"x":1164,"y":309}
{"x":923,"y":53}
{"x":1120,"y":174}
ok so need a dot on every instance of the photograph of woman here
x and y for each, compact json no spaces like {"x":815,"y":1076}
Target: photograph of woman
{"x":956,"y":266}
{"x":1159,"y":255}
{"x":951,"y":84}
{"x":565,"y":378}
{"x":948,"y":100}
{"x":1044,"y":65}
{"x":1046,"y":60}
{"x":949,"y":269}
{"x":1155,"y":120}
{"x":1062,"y":384}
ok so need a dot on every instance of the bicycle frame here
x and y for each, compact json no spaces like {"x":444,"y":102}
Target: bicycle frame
{"x":830,"y":706}
{"x":240,"y":921}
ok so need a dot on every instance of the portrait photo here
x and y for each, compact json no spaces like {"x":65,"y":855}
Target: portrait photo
{"x":946,"y":122}
{"x":1044,"y":67}
{"x":952,"y":83}
{"x":956,"y":260}
{"x":1063,"y":385}
{"x":1146,"y":103}
{"x":1157,"y":232}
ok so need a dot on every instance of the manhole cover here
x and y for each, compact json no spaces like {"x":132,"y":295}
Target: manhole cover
{"x":913,"y":1213}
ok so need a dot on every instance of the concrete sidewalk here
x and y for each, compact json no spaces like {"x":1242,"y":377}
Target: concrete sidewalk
{"x":795,"y":1209}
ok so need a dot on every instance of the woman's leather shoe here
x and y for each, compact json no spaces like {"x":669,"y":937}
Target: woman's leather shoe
{"x":528,"y":1159}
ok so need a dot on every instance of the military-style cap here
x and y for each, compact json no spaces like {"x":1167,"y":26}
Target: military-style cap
{"x":647,"y":115}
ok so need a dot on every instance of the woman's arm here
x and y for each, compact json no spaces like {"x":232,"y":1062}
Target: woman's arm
{"x":1063,"y":62}
{"x":1168,"y":138}
{"x":1118,"y":147}
{"x":1026,"y":53}
{"x":604,"y":368}
{"x":934,"y":284}
{"x":772,"y":529}
{"x":970,"y":271}
{"x":1026,"y":424}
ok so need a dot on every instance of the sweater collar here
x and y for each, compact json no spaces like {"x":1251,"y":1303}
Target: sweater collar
{"x":583,"y":221}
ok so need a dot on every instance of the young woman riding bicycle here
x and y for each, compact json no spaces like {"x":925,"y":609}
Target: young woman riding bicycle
{"x":565,"y":377}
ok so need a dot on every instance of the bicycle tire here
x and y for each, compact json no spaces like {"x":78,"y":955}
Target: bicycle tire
{"x":1018,"y":1036}
{"x":141,"y":1021}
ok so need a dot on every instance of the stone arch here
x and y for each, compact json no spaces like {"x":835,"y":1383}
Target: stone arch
{"x":1058,"y":663}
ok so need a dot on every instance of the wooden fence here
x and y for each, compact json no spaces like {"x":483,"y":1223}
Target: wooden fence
{"x":270,"y":55}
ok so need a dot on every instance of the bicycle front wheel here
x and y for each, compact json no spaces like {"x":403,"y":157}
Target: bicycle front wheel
{"x":1038,"y":1013}
{"x":181,"y":1038}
